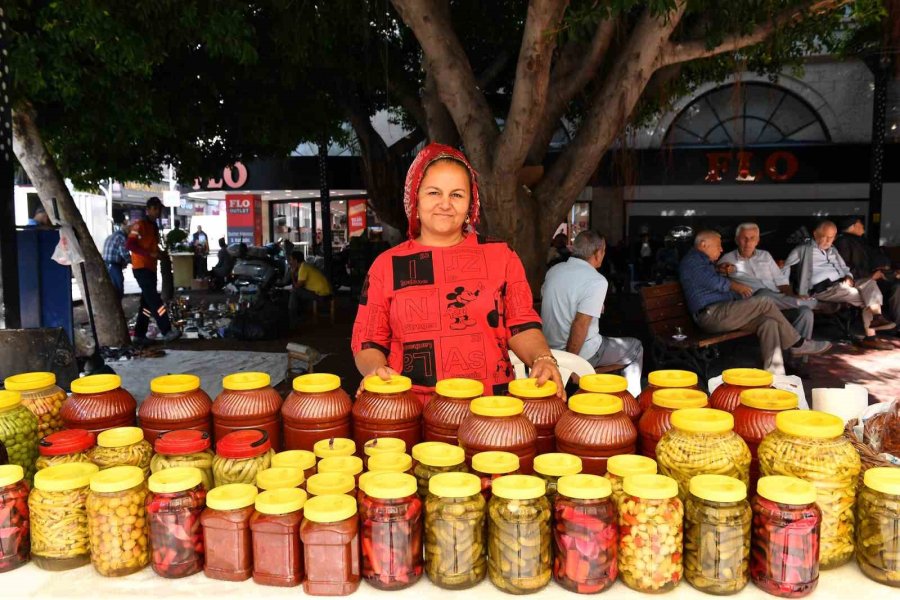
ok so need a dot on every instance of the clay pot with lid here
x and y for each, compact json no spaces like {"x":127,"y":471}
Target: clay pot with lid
{"x":614,"y":385}
{"x":387,"y":409}
{"x":755,"y":417}
{"x":499,"y":423}
{"x":665,"y":379}
{"x":448,"y":407}
{"x":595,"y":428}
{"x":727,"y":396}
{"x":542,"y":407}
{"x":657,"y":420}
{"x":248,"y":401}
{"x":175,"y":402}
{"x":98,"y":403}
{"x":316,"y":409}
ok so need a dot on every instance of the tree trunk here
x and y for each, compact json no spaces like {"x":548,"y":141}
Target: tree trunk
{"x":44,"y":174}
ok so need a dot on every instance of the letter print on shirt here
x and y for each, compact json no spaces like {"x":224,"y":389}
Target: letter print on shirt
{"x":464,"y":263}
{"x":464,"y":356}
{"x":413,"y":269}
{"x":419,"y":362}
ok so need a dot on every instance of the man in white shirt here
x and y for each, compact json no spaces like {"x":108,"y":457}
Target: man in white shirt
{"x":573,"y":296}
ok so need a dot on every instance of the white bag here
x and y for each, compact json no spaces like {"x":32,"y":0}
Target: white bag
{"x":68,"y":250}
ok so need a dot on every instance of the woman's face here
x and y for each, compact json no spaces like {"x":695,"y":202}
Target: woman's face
{"x":444,"y":198}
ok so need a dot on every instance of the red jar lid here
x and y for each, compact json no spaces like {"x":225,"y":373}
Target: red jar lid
{"x":67,"y":441}
{"x":181,"y":441}
{"x":244,"y":443}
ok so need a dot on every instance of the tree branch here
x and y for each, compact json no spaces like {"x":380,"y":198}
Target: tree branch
{"x":439,"y":123}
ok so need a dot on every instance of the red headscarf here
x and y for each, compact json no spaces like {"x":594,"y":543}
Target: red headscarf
{"x":428,"y":155}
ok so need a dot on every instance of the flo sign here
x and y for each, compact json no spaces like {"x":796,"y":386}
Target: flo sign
{"x":234,"y":177}
{"x":749,"y":167}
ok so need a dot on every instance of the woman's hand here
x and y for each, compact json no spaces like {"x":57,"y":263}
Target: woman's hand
{"x":384,"y":371}
{"x":544,"y":370}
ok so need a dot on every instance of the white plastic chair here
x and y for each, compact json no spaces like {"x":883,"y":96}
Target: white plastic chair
{"x":568,"y":363}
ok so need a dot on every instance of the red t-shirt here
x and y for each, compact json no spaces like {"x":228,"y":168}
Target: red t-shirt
{"x":438,"y":313}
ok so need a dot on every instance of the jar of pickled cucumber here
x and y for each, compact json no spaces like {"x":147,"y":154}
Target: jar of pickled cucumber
{"x":614,"y":385}
{"x":624,"y":465}
{"x":240,"y":456}
{"x":553,"y":465}
{"x":18,"y":432}
{"x":68,"y":445}
{"x":717,"y":535}
{"x":519,"y":534}
{"x":666,"y":379}
{"x":15,"y":536}
{"x":302,"y":459}
{"x":657,"y":420}
{"x":810,"y":445}
{"x":330,"y":484}
{"x":348,"y":465}
{"x":117,"y":521}
{"x":58,"y":511}
{"x":276,"y":478}
{"x":436,"y":457}
{"x":878,"y":525}
{"x":41,"y":396}
{"x":493,"y":464}
{"x":383,"y":445}
{"x":334,"y":447}
{"x":727,"y":396}
{"x":395,"y":462}
{"x":455,"y":551}
{"x":123,"y":446}
{"x":184,"y":448}
{"x":650,"y":533}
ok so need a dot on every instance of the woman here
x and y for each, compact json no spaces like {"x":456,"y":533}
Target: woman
{"x":448,"y":302}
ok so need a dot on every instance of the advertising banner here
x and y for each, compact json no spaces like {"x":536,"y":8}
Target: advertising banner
{"x":356,"y":217}
{"x":244,"y":218}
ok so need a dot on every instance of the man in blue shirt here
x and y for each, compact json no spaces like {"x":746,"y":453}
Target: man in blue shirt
{"x":117,"y":257}
{"x":719,"y":305}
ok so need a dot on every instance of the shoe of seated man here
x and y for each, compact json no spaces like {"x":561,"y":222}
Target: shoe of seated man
{"x":141,"y":341}
{"x":879,"y":323}
{"x":172,"y":336}
{"x":873,"y":343}
{"x":809,"y":347}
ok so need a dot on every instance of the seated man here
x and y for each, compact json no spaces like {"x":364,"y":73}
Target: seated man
{"x":719,"y":305}
{"x":866,"y":261}
{"x":225,"y":262}
{"x":308,"y":284}
{"x":824,"y":275}
{"x":573,"y":297}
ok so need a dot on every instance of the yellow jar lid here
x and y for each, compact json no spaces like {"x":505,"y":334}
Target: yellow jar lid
{"x":397,"y":384}
{"x":678,"y":398}
{"x":175,"y":479}
{"x":351,"y":465}
{"x":302,"y":459}
{"x":231,"y":496}
{"x":786,"y":490}
{"x":249,"y":380}
{"x":96,"y":384}
{"x":495,"y":462}
{"x":395,"y":462}
{"x":769,"y":399}
{"x":117,"y":479}
{"x":120,"y":436}
{"x":672,"y":378}
{"x":603,"y":383}
{"x":334,"y":447}
{"x":650,"y":487}
{"x":280,"y":501}
{"x":595,"y":404}
{"x":528,"y":388}
{"x":557,"y":464}
{"x":703,"y":420}
{"x":809,"y":423}
{"x":625,"y":465}
{"x":174,"y":384}
{"x":747,"y":377}
{"x":459,"y":388}
{"x":497,"y":406}
{"x":9,"y":399}
{"x":584,"y":487}
{"x":454,"y":485}
{"x":316,"y":383}
{"x":324,"y":484}
{"x":718,"y":488}
{"x":883,"y":479}
{"x":383,"y":445}
{"x":275,"y":478}
{"x":26,"y":382}
{"x":330,"y":508}
{"x":438,"y":454}
{"x":10,"y":474}
{"x":65,"y":477}
{"x":519,"y":487}
{"x":388,"y":486}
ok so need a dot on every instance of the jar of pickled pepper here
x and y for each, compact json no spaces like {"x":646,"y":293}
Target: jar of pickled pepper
{"x":657,"y":419}
{"x":624,"y":465}
{"x":122,"y":446}
{"x":436,"y":457}
{"x":41,"y":396}
{"x":18,"y":432}
{"x":878,"y":525}
{"x":240,"y":456}
{"x":666,"y":379}
{"x":448,"y":407}
{"x":68,"y":445}
{"x":184,"y":448}
{"x":301,"y":459}
{"x":248,"y":401}
{"x":383,"y":445}
{"x":455,"y":555}
{"x":330,"y":484}
{"x":276,"y":478}
{"x":614,"y":385}
{"x":275,"y":531}
{"x":395,"y":462}
{"x":498,"y":423}
{"x":727,"y":396}
{"x":754,"y":419}
{"x":542,"y":407}
{"x":553,"y":465}
{"x":490,"y":465}
{"x":15,"y":531}
{"x":173,"y":509}
{"x":334,"y":447}
{"x":117,"y":521}
{"x":387,"y":409}
{"x":330,"y":536}
{"x":594,"y":428}
{"x":176,"y":402}
{"x":226,"y":532}
{"x":98,"y":403}
{"x":316,"y":409}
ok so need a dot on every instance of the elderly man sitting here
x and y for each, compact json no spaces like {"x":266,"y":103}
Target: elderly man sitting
{"x":867,"y":261}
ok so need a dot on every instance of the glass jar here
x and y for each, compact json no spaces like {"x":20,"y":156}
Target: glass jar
{"x":553,"y":465}
{"x":727,"y":396}
{"x":447,"y":408}
{"x":392,"y":528}
{"x":784,"y":560}
{"x":348,"y":465}
{"x":174,"y":510}
{"x":702,"y":441}
{"x":248,"y":401}
{"x":330,"y":484}
{"x":717,"y":535}
{"x":68,"y":445}
{"x":334,"y":447}
{"x":57,"y":508}
{"x":594,"y":428}
{"x":614,"y":385}
{"x":18,"y":432}
{"x":275,"y":530}
{"x":175,"y":402}
{"x":15,"y":535}
{"x":586,"y":535}
{"x":878,"y":526}
{"x":455,"y":554}
{"x":330,"y":536}
{"x":666,"y":379}
{"x":117,"y":521}
{"x":316,"y":409}
{"x":754,"y":419}
{"x":226,"y":532}
{"x":184,"y":448}
{"x":810,"y":445}
{"x":624,"y":465}
{"x":657,"y":419}
{"x":301,"y":459}
{"x":276,"y":478}
{"x":385,"y":445}
{"x":519,"y":534}
{"x":41,"y":396}
{"x":436,"y":457}
{"x":240,"y":456}
{"x":542,"y":407}
{"x":650,"y":534}
{"x":498,"y":423}
{"x":387,"y":409}
{"x":395,"y":462}
{"x":490,"y":465}
{"x":98,"y":403}
{"x":122,"y":446}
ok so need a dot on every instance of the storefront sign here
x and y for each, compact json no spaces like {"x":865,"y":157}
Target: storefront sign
{"x":244,"y":218}
{"x":233,"y":177}
{"x":778,"y":166}
{"x":356,"y":217}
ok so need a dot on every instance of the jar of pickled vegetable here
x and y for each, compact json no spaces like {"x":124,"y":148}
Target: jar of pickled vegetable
{"x":448,"y":407}
{"x":68,"y":445}
{"x":98,"y":403}
{"x":784,"y":559}
{"x":175,"y":402}
{"x":585,"y":538}
{"x":174,"y":510}
{"x":15,"y":531}
{"x":614,"y":385}
{"x":18,"y":432}
{"x":702,"y":441}
{"x":717,"y":535}
{"x":57,"y":509}
{"x":334,"y":447}
{"x":301,"y":459}
{"x":330,"y":484}
{"x":387,"y":409}
{"x":385,"y":445}
{"x":519,"y":534}
{"x":436,"y":457}
{"x":657,"y":419}
{"x":877,"y":525}
{"x":594,"y":428}
{"x":117,"y":521}
{"x":498,"y":423}
{"x":226,"y":532}
{"x":455,"y":555}
{"x":650,"y":533}
{"x":275,"y":528}
{"x":184,"y":448}
{"x":248,"y":401}
{"x":316,"y":409}
{"x":41,"y":396}
{"x":395,"y":462}
{"x":348,"y":465}
{"x":490,"y":465}
{"x":754,"y":419}
{"x":810,"y":445}
{"x":624,"y":465}
{"x":122,"y":446}
{"x":276,"y":478}
{"x":666,"y":379}
{"x":727,"y":396}
{"x":330,"y":536}
{"x":553,"y":465}
{"x":542,"y":407}
{"x":240,"y":456}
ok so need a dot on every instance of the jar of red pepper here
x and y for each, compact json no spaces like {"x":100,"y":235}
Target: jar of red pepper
{"x":666,"y":379}
{"x":174,"y":510}
{"x":542,"y":407}
{"x":594,"y":428}
{"x":614,"y":385}
{"x":277,"y":556}
{"x":301,"y":459}
{"x":226,"y":532}
{"x":657,"y":419}
{"x":175,"y":402}
{"x":98,"y":403}
{"x":387,"y":409}
{"x":490,"y":465}
{"x":498,"y":423}
{"x":248,"y":401}
{"x":330,"y":536}
{"x":448,"y":407}
{"x":15,"y":540}
{"x":316,"y":409}
{"x":727,"y":396}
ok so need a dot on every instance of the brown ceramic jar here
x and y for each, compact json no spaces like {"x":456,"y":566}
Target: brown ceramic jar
{"x":248,"y":401}
{"x":175,"y":402}
{"x":657,"y":420}
{"x":98,"y":403}
{"x":448,"y":407}
{"x":595,"y":428}
{"x":499,"y":423}
{"x":387,"y":409}
{"x":754,"y":418}
{"x":542,"y":407}
{"x":614,"y":385}
{"x":317,"y":409}
{"x":664,"y":379}
{"x":727,"y":396}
